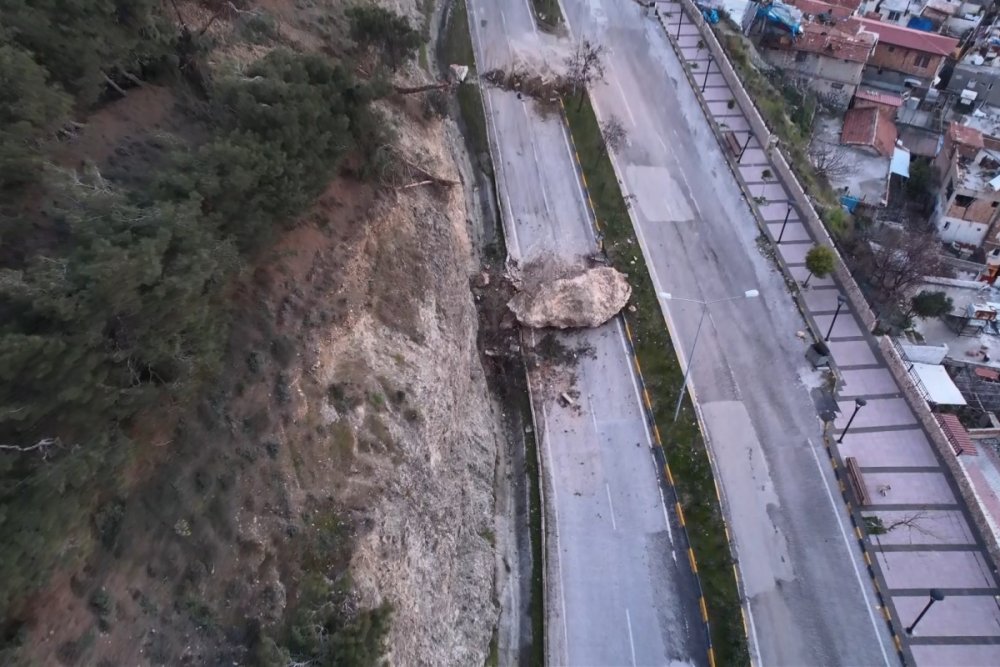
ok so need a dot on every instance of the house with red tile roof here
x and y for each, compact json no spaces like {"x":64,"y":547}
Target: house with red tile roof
{"x":827,"y":57}
{"x":870,"y":128}
{"x":905,"y":58}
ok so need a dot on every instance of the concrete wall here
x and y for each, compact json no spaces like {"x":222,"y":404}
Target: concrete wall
{"x":956,"y":230}
{"x":834,"y":79}
{"x":925,"y":354}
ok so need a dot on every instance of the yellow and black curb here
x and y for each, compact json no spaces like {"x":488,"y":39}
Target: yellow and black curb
{"x":667,"y":478}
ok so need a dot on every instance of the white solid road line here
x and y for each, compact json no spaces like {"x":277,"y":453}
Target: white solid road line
{"x":614,"y":524}
{"x":531,"y":18}
{"x":555,"y":509}
{"x":631,"y":641}
{"x":628,"y":109}
{"x":857,"y":573}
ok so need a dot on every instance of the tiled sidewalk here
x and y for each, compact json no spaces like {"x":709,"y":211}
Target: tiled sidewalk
{"x":928,"y":541}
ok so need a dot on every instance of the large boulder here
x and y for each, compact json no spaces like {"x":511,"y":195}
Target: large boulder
{"x":588,"y":299}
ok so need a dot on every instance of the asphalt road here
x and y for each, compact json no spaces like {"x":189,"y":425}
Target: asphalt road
{"x":618,"y":592}
{"x":810,"y":600}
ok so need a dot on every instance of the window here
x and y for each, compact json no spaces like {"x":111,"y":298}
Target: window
{"x":922,"y":60}
{"x":893,"y":16}
{"x":837,"y":86}
{"x":996,"y":252}
{"x":994,"y":204}
{"x":891,"y":49}
{"x":963,"y":201}
{"x":947,"y":224}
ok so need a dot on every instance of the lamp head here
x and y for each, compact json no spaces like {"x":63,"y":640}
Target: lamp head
{"x":860,"y":402}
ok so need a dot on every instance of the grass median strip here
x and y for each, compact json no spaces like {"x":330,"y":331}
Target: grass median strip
{"x":456,"y":48}
{"x":683,"y":445}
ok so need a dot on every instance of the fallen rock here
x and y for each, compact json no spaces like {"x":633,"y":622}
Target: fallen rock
{"x":588,"y":299}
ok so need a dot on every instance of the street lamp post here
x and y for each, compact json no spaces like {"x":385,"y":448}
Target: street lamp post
{"x":667,"y":296}
{"x":858,"y":404}
{"x":936,"y":596}
{"x":784,"y":222}
{"x":841,"y":300}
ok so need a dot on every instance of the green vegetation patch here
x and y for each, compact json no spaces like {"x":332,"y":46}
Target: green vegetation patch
{"x":683,"y":445}
{"x":456,"y":49}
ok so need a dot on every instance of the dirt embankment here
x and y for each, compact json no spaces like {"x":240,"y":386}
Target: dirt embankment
{"x":354,"y":397}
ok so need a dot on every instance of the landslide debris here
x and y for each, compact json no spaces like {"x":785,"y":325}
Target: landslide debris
{"x":589,"y":298}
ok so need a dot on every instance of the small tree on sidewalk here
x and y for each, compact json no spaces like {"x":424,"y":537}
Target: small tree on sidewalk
{"x":584,"y":68}
{"x":820,"y":261}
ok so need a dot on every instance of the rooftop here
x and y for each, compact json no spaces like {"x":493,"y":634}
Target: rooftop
{"x":831,"y":41}
{"x":981,"y":348}
{"x":869,"y":126}
{"x":817,"y":7}
{"x":965,"y":135}
{"x":907,"y":38}
{"x":868,"y":177}
{"x":878,"y":97}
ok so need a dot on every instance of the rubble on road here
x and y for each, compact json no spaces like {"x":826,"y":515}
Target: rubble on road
{"x":589,"y":298}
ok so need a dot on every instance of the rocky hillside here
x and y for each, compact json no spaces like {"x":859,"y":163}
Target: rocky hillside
{"x":329,"y":495}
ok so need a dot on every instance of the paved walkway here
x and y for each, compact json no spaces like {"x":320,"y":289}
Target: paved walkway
{"x":928,"y":539}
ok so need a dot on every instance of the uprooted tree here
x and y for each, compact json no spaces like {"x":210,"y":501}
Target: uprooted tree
{"x":584,"y":67}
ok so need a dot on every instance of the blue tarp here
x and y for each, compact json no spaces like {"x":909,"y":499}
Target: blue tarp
{"x":920,"y":23}
{"x":710,"y":13}
{"x":849,"y":202}
{"x":779,"y":14}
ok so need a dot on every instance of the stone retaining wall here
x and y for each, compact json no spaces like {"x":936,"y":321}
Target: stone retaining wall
{"x":940,"y":441}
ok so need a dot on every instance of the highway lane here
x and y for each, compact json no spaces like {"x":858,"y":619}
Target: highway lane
{"x":810,"y":600}
{"x":617,"y":593}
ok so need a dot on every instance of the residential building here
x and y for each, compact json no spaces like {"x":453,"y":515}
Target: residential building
{"x":976,"y":77}
{"x":952,"y":17}
{"x":869,"y":128}
{"x":968,"y":205}
{"x":905,"y":58}
{"x":827,"y":57}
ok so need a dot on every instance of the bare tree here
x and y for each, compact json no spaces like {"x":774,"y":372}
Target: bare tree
{"x":585,"y":67}
{"x":874,"y":525}
{"x":900,"y":259}
{"x":829,"y":160}
{"x":615,"y":135}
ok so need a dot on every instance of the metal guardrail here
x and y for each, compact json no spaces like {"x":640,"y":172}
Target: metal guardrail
{"x":917,"y":382}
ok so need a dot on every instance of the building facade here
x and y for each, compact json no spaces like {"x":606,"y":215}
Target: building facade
{"x":904,"y":58}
